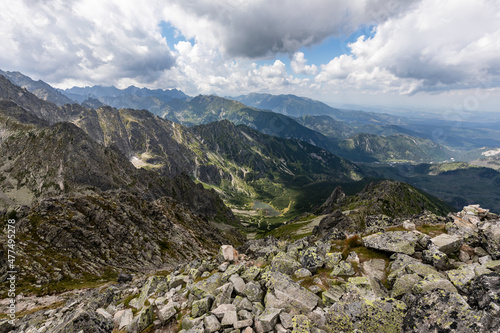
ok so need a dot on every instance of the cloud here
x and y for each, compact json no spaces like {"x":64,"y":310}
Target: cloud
{"x":86,"y":41}
{"x":259,"y":28}
{"x":437,"y":45}
{"x":298,"y":65}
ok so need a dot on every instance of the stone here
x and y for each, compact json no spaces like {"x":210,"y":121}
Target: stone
{"x":436,"y":258}
{"x":244,"y":314}
{"x":123,"y":318}
{"x":392,"y":241}
{"x":448,"y":244}
{"x":344,"y":268}
{"x":238,"y":283}
{"x":432,"y":282}
{"x":284,"y":293}
{"x":242,"y":303}
{"x":353,"y":258}
{"x":269,"y":318}
{"x":490,"y":237}
{"x":251,"y":274}
{"x":166,"y":313}
{"x":222,"y":309}
{"x":286,"y":320}
{"x":374,"y":268}
{"x":230,"y":318}
{"x":408,"y":225}
{"x":243,"y":323}
{"x":211,"y":324}
{"x":201,"y":307}
{"x":443,"y":311}
{"x":144,"y":318}
{"x":301,"y":324}
{"x":484,"y":259}
{"x":176,"y":281}
{"x":227,"y":253}
{"x":311,"y":260}
{"x":231,"y":270}
{"x":104,"y":313}
{"x":379,"y":315}
{"x":124,"y":277}
{"x":253,"y":292}
{"x":485,"y":290}
{"x":333,"y":294}
{"x":493,"y":265}
{"x":285,"y":264}
{"x":333,"y":259}
{"x":223,"y":294}
{"x":404,"y":284}
{"x":302,"y":273}
{"x":462,"y":276}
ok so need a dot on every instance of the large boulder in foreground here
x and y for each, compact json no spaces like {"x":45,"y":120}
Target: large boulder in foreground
{"x":284,"y":293}
{"x":443,"y":311}
{"x":393,"y":241}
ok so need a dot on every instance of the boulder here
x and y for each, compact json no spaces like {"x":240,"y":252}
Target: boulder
{"x":490,"y":237}
{"x":485,"y":290}
{"x":229,"y":319}
{"x":332,"y":259}
{"x":436,"y":258}
{"x":392,"y":241}
{"x":124,"y":278}
{"x":311,"y":260}
{"x":448,"y":244}
{"x":269,"y":318}
{"x":201,"y":307}
{"x":238,"y":283}
{"x":211,"y":324}
{"x":227,"y":253}
{"x":433,"y":282}
{"x":166,"y":313}
{"x":253,"y":292}
{"x":443,"y":311}
{"x":461,"y":277}
{"x":284,"y":293}
{"x":374,"y":268}
{"x":222,"y":309}
{"x":344,"y":268}
{"x":404,"y":284}
{"x":285,"y":264}
{"x":379,"y":315}
{"x":123,"y":318}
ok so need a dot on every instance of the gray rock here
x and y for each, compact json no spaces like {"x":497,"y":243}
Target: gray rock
{"x":124,"y":278}
{"x":344,"y":268}
{"x":242,"y":303}
{"x":374,"y":268}
{"x":238,"y":283}
{"x":286,"y":319}
{"x":392,"y":241}
{"x":436,"y":258}
{"x":485,"y":291}
{"x":178,"y":280}
{"x":222,"y":309}
{"x":230,"y":318}
{"x":490,"y":237}
{"x":269,"y":318}
{"x":284,"y":263}
{"x":493,"y":265}
{"x":284,"y":293}
{"x":311,"y":260}
{"x":448,"y":244}
{"x":143,"y":319}
{"x":166,"y":313}
{"x":123,"y":318}
{"x":432,"y":282}
{"x":404,"y":284}
{"x":223,"y":294}
{"x":104,"y":313}
{"x":211,"y":324}
{"x":333,"y":259}
{"x":251,"y":274}
{"x":201,"y":307}
{"x":254,"y":292}
{"x":243,"y":323}
{"x":443,"y":311}
{"x":302,"y":273}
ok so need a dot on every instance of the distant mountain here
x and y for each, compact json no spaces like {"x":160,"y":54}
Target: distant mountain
{"x":132,"y":97}
{"x":41,"y":89}
{"x":296,"y":106}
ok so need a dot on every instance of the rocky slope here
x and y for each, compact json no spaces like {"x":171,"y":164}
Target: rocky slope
{"x":41,"y":89}
{"x":426,"y":277}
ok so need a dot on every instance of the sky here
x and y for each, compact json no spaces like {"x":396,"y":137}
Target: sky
{"x":409,"y":54}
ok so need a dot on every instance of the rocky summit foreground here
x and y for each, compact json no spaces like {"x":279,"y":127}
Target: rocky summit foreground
{"x":427,"y":274}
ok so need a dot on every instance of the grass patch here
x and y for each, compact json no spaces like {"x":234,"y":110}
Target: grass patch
{"x":432,"y":230}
